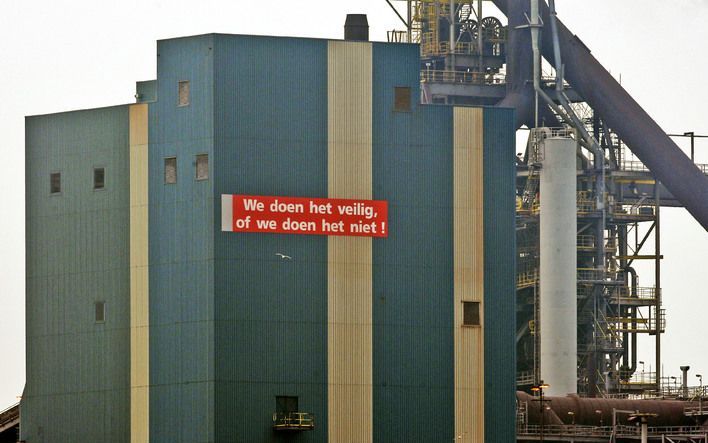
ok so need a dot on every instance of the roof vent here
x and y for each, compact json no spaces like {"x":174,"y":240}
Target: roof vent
{"x":356,"y":27}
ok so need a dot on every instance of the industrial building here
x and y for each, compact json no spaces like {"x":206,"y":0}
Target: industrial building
{"x":580,"y":304}
{"x":187,"y":280}
{"x":154,"y":311}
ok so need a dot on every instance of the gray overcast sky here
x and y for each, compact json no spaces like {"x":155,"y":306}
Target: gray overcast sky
{"x":65,"y":55}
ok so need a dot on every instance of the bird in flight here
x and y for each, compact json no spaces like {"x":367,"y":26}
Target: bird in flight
{"x":283,"y":256}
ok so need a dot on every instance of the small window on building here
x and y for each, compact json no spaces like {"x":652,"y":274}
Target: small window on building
{"x":100,"y":311}
{"x":285,"y":403}
{"x":99,"y":178}
{"x":203,"y":167}
{"x":170,"y":170}
{"x":183,"y":91}
{"x":55,"y":183}
{"x":402,"y":99}
{"x":470,"y":313}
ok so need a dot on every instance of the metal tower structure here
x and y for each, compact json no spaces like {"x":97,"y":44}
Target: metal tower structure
{"x":462,"y":51}
{"x":619,"y":198}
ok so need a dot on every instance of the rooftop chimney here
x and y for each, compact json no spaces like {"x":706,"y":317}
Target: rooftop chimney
{"x":356,"y":27}
{"x":684,"y":382}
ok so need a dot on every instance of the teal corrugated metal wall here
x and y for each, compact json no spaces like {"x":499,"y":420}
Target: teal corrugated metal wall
{"x":232,"y":324}
{"x":413,"y":269}
{"x":181,"y":247}
{"x":499,"y":276}
{"x":271,"y":314}
{"x":78,"y":375}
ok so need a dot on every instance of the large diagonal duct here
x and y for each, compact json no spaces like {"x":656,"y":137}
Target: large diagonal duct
{"x":519,"y":75}
{"x":618,"y":109}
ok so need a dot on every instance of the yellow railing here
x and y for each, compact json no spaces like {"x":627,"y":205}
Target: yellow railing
{"x":293,"y":421}
{"x":644,"y":293}
{"x":586,"y":202}
{"x":638,"y":378}
{"x":432,"y":47}
{"x":586,"y":242}
{"x":640,"y":324}
{"x":526,"y":278}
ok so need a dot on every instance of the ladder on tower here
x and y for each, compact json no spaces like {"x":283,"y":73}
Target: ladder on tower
{"x":528,"y":198}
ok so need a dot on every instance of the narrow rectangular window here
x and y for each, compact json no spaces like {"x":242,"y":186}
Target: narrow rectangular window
{"x":55,"y":183}
{"x":170,"y":170}
{"x":100,"y":311}
{"x":99,"y":178}
{"x":202,"y":166}
{"x":402,"y":99}
{"x":470,"y":313}
{"x":183,"y":93}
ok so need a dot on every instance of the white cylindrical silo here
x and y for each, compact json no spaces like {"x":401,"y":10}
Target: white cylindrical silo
{"x":558,"y":262}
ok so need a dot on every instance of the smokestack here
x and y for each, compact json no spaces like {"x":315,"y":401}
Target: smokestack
{"x":558,"y":243}
{"x":356,"y":28}
{"x":684,"y":383}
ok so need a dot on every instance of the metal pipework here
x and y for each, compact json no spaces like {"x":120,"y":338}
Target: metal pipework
{"x":565,"y":109}
{"x":635,"y":284}
{"x":519,"y":72}
{"x":620,"y":112}
{"x":535,"y":26}
{"x":684,"y":382}
{"x":668,"y":412}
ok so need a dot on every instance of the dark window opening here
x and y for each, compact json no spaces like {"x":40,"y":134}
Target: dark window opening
{"x":99,"y":178}
{"x":171,"y":170}
{"x":202,"y":167}
{"x":402,"y":99}
{"x":100,"y":311}
{"x":55,"y":183}
{"x":470,"y":313}
{"x":286,"y":404}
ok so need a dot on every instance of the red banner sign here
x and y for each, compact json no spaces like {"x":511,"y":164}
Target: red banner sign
{"x":302,"y":215}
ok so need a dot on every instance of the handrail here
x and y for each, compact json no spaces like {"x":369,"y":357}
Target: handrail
{"x":293,"y":420}
{"x":596,"y":274}
{"x":525,"y":378}
{"x":461,"y":77}
{"x":644,"y":293}
{"x":639,"y":324}
{"x":637,"y":166}
{"x":526,"y":278}
{"x":618,"y":430}
{"x":586,"y":241}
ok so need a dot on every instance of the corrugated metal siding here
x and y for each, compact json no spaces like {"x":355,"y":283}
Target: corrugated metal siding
{"x":181,"y":249}
{"x":271,"y":328}
{"x":413,"y":291}
{"x":77,"y":253}
{"x":469,"y":270}
{"x":349,"y":270}
{"x":139,"y":277}
{"x":146,"y":91}
{"x":499,"y":275}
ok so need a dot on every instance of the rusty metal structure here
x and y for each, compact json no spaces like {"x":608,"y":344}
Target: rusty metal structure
{"x":573,"y":418}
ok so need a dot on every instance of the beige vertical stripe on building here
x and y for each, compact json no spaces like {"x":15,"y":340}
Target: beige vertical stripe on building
{"x":349,"y":267}
{"x":139,"y":312}
{"x":468,"y":234}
